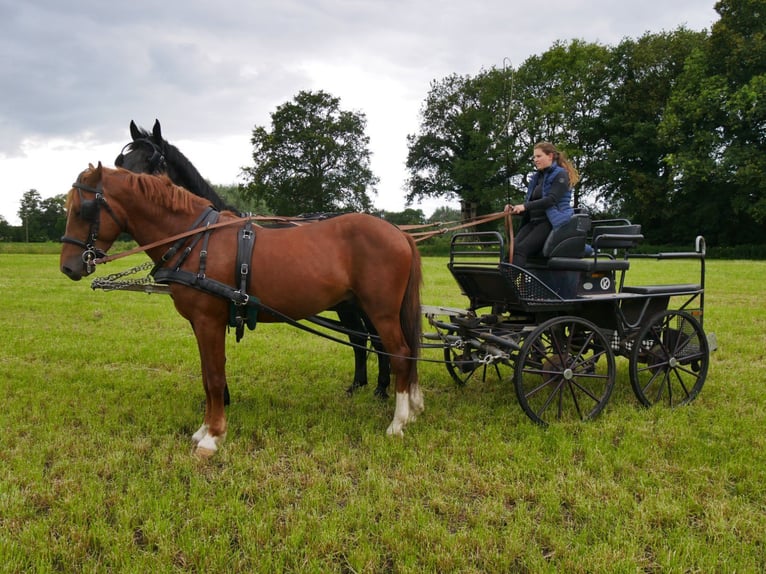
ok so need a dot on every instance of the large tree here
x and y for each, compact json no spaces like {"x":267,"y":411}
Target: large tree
{"x":477,"y":133}
{"x":558,"y":97}
{"x":459,"y":152}
{"x":630,"y":172}
{"x":30,"y":212}
{"x":53,"y":216}
{"x":315,"y":158}
{"x":716,"y":124}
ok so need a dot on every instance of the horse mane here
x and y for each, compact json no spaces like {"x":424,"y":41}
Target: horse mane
{"x":187,"y":174}
{"x":161,"y":191}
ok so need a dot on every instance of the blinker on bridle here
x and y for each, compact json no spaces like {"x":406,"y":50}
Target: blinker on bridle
{"x":156,"y":160}
{"x":90,"y":212}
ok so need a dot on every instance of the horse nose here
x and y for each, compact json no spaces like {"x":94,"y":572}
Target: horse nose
{"x":73,"y":274}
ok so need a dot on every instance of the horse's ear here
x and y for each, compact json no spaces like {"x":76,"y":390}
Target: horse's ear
{"x":157,"y":131}
{"x":135,"y":133}
{"x":99,"y":169}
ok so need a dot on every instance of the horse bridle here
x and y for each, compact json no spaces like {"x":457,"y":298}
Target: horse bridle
{"x":90,"y":211}
{"x":156,"y":161}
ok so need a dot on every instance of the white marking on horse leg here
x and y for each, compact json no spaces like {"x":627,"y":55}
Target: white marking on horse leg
{"x":200,"y":434}
{"x":417,"y":405}
{"x":209,"y":445}
{"x":401,"y":414}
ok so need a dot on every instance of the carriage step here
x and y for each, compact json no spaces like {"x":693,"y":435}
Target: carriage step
{"x":662,"y":289}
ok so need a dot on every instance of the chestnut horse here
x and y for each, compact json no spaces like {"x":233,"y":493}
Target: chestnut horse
{"x":297,"y":272}
{"x":152,"y":153}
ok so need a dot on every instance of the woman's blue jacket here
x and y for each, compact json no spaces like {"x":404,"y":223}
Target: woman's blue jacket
{"x":560,"y":212}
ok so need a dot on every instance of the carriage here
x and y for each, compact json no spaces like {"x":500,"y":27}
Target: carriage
{"x":557,"y":326}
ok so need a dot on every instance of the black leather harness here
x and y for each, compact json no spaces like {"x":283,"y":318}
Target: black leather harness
{"x":243,"y":308}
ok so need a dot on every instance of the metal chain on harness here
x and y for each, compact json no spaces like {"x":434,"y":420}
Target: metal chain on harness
{"x":114,"y":282}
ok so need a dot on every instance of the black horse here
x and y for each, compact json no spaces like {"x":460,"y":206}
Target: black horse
{"x":151,"y":153}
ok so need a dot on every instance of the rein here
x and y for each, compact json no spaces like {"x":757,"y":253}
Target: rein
{"x":444,"y":228}
{"x":418,"y":236}
{"x":210,"y":227}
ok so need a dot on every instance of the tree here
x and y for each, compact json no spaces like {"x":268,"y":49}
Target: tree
{"x":314,"y":159}
{"x":30,"y":214}
{"x":409,"y":216}
{"x":6,"y":231}
{"x":558,"y":97}
{"x":459,"y":152}
{"x":715,"y":122}
{"x":477,"y":134}
{"x":53,"y":217}
{"x":234,"y":195}
{"x":444,"y":213}
{"x":630,"y":171}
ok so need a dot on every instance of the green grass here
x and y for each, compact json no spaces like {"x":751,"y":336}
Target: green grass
{"x":101,"y":392}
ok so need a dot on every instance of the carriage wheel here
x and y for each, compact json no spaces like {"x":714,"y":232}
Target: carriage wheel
{"x":463,"y":365}
{"x":669,"y":359}
{"x":565,"y":371}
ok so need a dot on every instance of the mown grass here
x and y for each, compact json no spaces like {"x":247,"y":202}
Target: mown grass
{"x":101,"y":392}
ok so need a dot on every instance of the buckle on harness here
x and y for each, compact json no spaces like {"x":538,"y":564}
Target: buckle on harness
{"x":244,"y":269}
{"x":241,"y":299}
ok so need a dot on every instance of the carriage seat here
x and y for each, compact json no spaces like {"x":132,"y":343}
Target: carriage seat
{"x":570,"y":239}
{"x":567,"y":249}
{"x":604,"y":237}
{"x":566,"y":242}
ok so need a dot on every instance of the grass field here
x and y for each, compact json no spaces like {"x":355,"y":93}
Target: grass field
{"x":101,"y":392}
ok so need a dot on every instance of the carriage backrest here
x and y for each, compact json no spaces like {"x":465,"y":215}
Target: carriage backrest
{"x":623,"y":236}
{"x":568,"y":240}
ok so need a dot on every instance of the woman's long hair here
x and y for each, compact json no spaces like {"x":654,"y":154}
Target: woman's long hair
{"x":560,"y":158}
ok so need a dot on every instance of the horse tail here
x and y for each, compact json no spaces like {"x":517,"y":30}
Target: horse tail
{"x":410,"y":312}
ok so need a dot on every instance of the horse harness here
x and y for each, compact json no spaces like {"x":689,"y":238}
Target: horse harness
{"x":157,"y":163}
{"x":243,"y":308}
{"x":90,"y":211}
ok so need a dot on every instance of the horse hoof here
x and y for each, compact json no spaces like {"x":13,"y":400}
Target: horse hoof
{"x":203,"y":453}
{"x":354,"y":386}
{"x":392,"y":431}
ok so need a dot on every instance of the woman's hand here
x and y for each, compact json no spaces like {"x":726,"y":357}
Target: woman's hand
{"x":515,"y":209}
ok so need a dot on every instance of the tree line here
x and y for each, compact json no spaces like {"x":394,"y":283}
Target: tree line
{"x":667,"y":130}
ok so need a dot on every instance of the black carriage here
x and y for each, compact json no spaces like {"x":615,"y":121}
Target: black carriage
{"x":557,"y":325}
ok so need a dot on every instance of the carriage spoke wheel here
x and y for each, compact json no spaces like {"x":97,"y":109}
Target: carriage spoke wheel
{"x":669,"y":359}
{"x":565,"y":371}
{"x":464,"y":365}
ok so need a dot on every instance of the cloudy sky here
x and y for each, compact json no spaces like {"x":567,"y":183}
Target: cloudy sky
{"x":74,"y":73}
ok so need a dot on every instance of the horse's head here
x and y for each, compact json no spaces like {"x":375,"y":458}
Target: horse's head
{"x":151,"y":153}
{"x":88,"y":234}
{"x":146,"y":153}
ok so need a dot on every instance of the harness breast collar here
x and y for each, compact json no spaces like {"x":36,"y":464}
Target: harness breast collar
{"x":243,"y":309}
